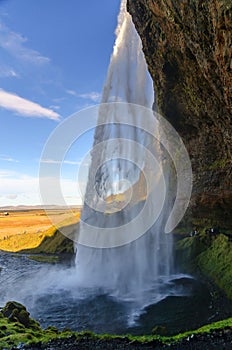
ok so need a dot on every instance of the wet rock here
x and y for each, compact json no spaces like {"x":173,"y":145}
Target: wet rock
{"x":17,"y":312}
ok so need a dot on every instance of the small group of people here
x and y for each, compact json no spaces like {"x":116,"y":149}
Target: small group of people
{"x":194,"y":233}
{"x":213,"y":231}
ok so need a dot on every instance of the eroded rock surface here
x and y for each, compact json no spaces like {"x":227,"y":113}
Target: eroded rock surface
{"x":188,"y":49}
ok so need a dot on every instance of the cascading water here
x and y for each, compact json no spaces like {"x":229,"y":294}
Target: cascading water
{"x":132,"y":270}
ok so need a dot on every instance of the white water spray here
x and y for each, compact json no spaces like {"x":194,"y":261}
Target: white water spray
{"x":132,"y":270}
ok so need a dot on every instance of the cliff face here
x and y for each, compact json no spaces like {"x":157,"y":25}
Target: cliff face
{"x":187,"y":45}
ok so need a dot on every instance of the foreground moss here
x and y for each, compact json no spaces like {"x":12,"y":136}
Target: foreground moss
{"x":17,"y":327}
{"x":212,"y":256}
{"x":216,"y":262}
{"x":15,"y":330}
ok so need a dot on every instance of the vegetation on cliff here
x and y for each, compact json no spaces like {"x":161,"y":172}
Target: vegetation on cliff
{"x":56,"y":241}
{"x":212,"y":256}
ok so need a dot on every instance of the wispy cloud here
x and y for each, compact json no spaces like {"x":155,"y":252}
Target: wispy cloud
{"x":8,"y":159}
{"x":24,"y":189}
{"x":14,"y":44}
{"x":93,"y":95}
{"x":13,"y":183}
{"x":25,"y":107}
{"x":7,"y":72}
{"x":54,"y":107}
{"x":6,"y":173}
{"x":52,"y":161}
{"x":11,"y":196}
{"x":72,"y":92}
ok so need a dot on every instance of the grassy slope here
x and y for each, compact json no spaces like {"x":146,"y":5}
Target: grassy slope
{"x":49,"y":241}
{"x":56,"y":241}
{"x":216,"y":262}
{"x":13,"y":332}
{"x":22,"y":241}
{"x":213,"y":256}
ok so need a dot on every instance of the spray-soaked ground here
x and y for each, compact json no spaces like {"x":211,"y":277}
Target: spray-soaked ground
{"x":52,"y":295}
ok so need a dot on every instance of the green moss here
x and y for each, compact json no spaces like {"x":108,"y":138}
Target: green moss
{"x":220,"y":163}
{"x":205,"y":329}
{"x":52,"y":329}
{"x":211,"y":255}
{"x":186,"y":251}
{"x":168,"y":340}
{"x":51,"y":259}
{"x":216,"y":262}
{"x":13,"y":333}
{"x":193,"y":101}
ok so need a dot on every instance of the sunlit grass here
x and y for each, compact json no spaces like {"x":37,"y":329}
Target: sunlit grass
{"x":21,"y":231}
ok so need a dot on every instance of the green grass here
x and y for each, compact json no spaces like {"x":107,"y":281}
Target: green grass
{"x":56,"y":241}
{"x":51,"y":259}
{"x":216,"y":262}
{"x":14,"y":332}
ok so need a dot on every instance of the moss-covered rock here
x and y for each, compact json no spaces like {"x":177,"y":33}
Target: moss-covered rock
{"x":216,"y":262}
{"x":16,"y":312}
{"x":211,"y":255}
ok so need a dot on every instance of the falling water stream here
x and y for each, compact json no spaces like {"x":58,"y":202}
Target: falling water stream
{"x":135,"y":269}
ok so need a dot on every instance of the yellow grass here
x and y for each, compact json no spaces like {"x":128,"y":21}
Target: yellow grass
{"x":26,"y":229}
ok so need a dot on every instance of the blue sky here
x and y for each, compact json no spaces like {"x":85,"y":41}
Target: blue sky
{"x":54,"y":56}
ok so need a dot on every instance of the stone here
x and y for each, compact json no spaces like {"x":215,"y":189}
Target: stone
{"x":187,"y":45}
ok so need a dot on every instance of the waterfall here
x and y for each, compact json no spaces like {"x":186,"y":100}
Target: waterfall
{"x":124,"y":175}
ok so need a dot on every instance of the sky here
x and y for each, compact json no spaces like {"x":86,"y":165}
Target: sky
{"x":54,"y":56}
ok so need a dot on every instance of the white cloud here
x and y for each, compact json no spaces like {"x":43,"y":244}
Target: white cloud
{"x":8,"y":159}
{"x":72,"y":92}
{"x":6,"y":173}
{"x":52,"y":161}
{"x":54,"y":107}
{"x":93,"y":96}
{"x":14,"y":43}
{"x":7,"y":72}
{"x":24,"y":189}
{"x":15,"y":183}
{"x":11,"y":196}
{"x":25,"y":107}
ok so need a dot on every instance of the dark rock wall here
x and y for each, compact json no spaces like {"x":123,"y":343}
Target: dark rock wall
{"x":187,"y":44}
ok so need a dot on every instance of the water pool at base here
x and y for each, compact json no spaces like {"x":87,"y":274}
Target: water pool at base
{"x":53,"y":297}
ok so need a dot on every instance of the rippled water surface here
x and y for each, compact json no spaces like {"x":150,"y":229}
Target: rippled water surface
{"x":52,"y":295}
